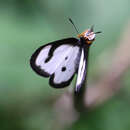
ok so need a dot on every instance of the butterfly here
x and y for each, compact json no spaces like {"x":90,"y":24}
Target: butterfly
{"x":61,"y":60}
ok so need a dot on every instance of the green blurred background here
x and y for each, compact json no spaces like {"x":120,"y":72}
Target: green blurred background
{"x":26,"y":99}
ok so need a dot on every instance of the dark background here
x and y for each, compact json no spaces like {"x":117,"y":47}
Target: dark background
{"x":26,"y":100}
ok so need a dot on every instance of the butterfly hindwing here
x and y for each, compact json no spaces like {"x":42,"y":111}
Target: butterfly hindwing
{"x":82,"y":69}
{"x":57,"y":60}
{"x":66,"y":69}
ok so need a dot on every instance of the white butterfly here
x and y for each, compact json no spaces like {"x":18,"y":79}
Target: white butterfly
{"x":61,"y":60}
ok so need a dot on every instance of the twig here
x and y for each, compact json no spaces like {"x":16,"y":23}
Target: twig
{"x":102,"y":90}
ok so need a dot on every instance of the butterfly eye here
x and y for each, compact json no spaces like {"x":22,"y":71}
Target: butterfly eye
{"x":87,"y":33}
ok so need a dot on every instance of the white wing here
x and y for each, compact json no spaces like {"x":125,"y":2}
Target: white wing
{"x":66,"y":67}
{"x":60,"y":62}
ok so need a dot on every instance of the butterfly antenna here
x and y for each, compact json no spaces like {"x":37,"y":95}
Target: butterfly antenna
{"x":98,"y":32}
{"x":91,"y":29}
{"x":74,"y":25}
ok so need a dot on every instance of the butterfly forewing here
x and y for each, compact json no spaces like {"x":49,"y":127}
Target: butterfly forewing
{"x":59,"y":60}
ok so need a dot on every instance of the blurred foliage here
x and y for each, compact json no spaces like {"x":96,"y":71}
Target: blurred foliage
{"x":26,"y":100}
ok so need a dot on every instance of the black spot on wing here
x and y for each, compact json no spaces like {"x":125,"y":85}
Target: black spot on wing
{"x":60,"y":85}
{"x":63,"y":69}
{"x":66,"y":57}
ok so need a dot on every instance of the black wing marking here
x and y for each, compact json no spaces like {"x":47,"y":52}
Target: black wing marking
{"x":48,"y":58}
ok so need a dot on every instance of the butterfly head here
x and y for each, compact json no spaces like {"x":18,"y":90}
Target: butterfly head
{"x":88,"y":35}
